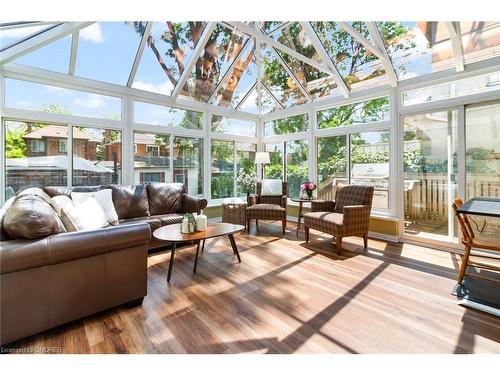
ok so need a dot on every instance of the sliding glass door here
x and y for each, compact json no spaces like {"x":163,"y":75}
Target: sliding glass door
{"x":430,"y":174}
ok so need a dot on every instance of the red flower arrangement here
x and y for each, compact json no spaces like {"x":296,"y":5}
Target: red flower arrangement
{"x":309,"y":187}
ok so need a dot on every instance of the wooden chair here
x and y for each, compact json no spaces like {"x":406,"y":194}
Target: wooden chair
{"x":470,"y":241}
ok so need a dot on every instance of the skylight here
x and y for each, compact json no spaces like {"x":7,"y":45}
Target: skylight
{"x":254,"y":67}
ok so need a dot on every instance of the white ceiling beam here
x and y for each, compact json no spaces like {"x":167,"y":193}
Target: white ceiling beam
{"x":74,"y":51}
{"x":311,"y":33}
{"x":258,"y":50}
{"x":456,"y":45}
{"x":361,"y":39}
{"x":138,"y":55}
{"x":273,"y":43}
{"x":41,"y":40}
{"x":386,"y":60}
{"x":47,"y":77}
{"x":194,"y":57}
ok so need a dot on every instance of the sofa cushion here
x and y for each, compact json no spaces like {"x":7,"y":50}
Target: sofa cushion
{"x":130,"y":200}
{"x":88,"y":215}
{"x":104,"y":197}
{"x":30,"y":216}
{"x":165,"y":198}
{"x":64,"y":190}
{"x":152,"y":221}
{"x":328,"y":222}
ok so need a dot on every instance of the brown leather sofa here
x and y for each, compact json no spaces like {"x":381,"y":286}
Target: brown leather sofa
{"x":59,"y":277}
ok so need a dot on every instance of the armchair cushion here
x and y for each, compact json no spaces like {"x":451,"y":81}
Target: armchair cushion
{"x":352,"y":195}
{"x":271,"y":187}
{"x":328,"y":222}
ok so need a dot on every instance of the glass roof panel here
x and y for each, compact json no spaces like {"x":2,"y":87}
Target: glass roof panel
{"x":240,"y":80}
{"x":10,"y":34}
{"x":296,"y":38}
{"x":480,"y":40}
{"x":169,"y":47}
{"x":279,"y":82}
{"x":251,"y":104}
{"x":269,"y":104}
{"x":219,"y":53}
{"x":359,"y":68}
{"x":269,"y":26}
{"x":417,"y":48}
{"x":54,"y":56}
{"x":106,"y":50}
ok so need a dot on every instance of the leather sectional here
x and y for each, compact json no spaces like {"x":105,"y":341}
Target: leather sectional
{"x":57,"y":277}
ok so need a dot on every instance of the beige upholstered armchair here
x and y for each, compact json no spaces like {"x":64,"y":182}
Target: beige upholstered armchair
{"x":348,"y":215}
{"x":267,"y":207}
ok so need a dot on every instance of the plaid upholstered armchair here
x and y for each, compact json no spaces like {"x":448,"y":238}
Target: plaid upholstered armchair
{"x":348,"y":215}
{"x":267,"y":207}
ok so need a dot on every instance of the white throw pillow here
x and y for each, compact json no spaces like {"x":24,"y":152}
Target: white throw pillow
{"x":271,"y":187}
{"x":104,"y":197}
{"x":61,"y":201}
{"x":88,"y":215}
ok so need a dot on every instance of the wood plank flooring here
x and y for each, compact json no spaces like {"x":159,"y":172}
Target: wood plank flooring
{"x":290,"y":297}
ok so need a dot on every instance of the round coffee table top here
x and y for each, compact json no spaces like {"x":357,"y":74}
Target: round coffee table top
{"x":172,"y":233}
{"x":307,"y":200}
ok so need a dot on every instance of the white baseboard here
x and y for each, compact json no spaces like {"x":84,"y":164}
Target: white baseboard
{"x":383,"y":236}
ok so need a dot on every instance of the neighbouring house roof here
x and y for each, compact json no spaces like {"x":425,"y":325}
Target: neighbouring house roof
{"x":144,"y":139}
{"x":54,"y":162}
{"x":56,"y":131}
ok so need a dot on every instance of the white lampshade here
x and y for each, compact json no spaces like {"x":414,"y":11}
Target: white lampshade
{"x":262,"y":158}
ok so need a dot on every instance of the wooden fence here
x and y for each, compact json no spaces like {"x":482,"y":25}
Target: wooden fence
{"x":426,"y":196}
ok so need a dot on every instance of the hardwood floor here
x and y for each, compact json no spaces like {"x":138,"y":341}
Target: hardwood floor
{"x":290,"y":297}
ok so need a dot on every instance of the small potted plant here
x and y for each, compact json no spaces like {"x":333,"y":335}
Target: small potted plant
{"x":247,"y":181}
{"x":308,"y":187}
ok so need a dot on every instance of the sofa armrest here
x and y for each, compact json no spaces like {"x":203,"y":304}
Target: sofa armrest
{"x":192,"y":204}
{"x":65,"y":247}
{"x":322,"y":206}
{"x":356,"y":219}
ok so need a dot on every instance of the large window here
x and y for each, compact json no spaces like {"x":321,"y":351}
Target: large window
{"x":288,"y":162}
{"x":33,"y":157}
{"x":482,"y":153}
{"x":38,"y":97}
{"x":232,"y":126}
{"x":97,"y":156}
{"x":152,"y":114}
{"x":332,"y":164}
{"x":222,"y":181}
{"x":370,"y":164}
{"x":188,"y":164}
{"x":151,"y":158}
{"x":356,"y":113}
{"x":245,"y":161}
{"x":286,"y":125}
{"x":430,"y":167}
{"x":228,"y":159}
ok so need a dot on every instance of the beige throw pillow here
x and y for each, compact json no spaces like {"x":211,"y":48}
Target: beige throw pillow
{"x":88,"y":215}
{"x":104,"y":198}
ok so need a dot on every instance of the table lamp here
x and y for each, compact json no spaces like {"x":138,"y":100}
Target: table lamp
{"x":262,"y":158}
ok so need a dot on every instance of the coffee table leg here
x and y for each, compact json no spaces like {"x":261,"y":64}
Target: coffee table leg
{"x":196,"y":257}
{"x":233,"y":245}
{"x":171,"y":262}
{"x":203,"y":246}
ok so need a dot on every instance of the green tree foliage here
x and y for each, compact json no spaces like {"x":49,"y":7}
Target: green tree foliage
{"x":15,"y":146}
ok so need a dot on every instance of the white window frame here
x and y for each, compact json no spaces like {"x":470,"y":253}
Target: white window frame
{"x":61,"y":143}
{"x":155,"y":147}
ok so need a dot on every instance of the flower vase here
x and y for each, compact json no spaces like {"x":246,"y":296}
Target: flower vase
{"x":309,"y":194}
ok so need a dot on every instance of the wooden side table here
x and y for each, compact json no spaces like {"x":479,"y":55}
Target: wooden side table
{"x":301,"y":204}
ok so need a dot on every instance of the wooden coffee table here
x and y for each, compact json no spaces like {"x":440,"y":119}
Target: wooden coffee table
{"x":172,"y":233}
